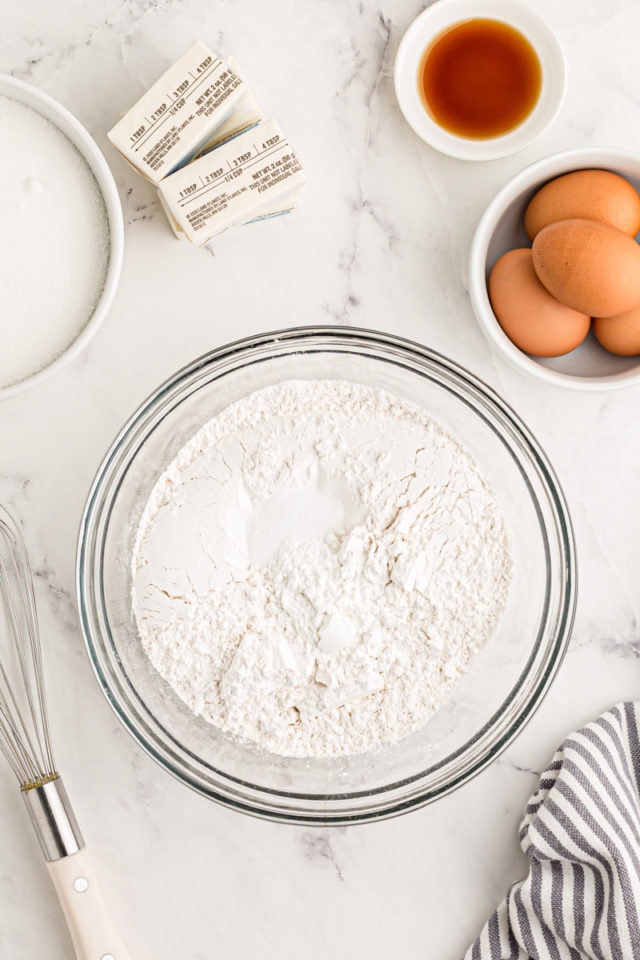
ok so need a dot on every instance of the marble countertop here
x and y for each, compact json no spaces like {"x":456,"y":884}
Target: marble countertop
{"x":380,"y":240}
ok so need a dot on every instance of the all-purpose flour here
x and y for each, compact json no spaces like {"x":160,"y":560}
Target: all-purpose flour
{"x":317,"y":568}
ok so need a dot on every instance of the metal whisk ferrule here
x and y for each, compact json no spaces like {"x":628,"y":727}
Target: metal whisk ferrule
{"x":53,"y":820}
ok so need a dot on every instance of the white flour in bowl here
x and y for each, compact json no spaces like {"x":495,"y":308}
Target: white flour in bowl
{"x":317,"y":568}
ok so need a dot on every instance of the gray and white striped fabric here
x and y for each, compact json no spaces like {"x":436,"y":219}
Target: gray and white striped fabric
{"x":581,"y":833}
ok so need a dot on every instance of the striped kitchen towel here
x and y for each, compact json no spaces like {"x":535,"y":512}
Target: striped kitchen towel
{"x":581,"y":834}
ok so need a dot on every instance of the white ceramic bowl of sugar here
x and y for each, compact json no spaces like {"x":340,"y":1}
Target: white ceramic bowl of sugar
{"x":27,"y":95}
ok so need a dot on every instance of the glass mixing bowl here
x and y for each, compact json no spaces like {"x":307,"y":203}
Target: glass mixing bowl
{"x":504,"y":684}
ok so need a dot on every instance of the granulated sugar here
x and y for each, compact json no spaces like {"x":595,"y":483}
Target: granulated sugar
{"x":317,"y":568}
{"x":54,"y":242}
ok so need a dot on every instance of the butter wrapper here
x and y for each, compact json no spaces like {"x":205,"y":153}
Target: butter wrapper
{"x":246,"y":113}
{"x":249,"y":177}
{"x":177,"y":117}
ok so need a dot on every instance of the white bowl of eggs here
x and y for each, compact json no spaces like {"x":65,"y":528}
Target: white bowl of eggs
{"x":554,"y":269}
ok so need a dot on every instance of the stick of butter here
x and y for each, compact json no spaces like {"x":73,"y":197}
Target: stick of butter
{"x":248,"y":177}
{"x":246,"y":112}
{"x":172,"y":122}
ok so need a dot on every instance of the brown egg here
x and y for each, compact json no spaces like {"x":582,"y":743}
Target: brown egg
{"x":588,"y":266}
{"x":621,"y":334}
{"x":528,"y":314}
{"x":587,"y":194}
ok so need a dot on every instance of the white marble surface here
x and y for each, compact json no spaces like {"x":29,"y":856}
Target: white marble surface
{"x":380,"y":240}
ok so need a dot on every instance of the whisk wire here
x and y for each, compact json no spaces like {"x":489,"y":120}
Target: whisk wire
{"x":24,"y":727}
{"x":11,"y":744}
{"x":31,"y":661}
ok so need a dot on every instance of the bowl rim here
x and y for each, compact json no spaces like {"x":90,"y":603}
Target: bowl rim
{"x":436,"y":19}
{"x":264,"y":802}
{"x":15,"y":89}
{"x":533,"y":175}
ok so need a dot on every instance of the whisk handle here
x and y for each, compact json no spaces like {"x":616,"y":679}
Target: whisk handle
{"x":92,"y":930}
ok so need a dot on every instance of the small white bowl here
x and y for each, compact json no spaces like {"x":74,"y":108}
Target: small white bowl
{"x":438,"y":18}
{"x":501,"y":228}
{"x":86,"y":145}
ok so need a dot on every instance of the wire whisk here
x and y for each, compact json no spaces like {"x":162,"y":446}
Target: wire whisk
{"x":25,"y":738}
{"x":25,"y":741}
